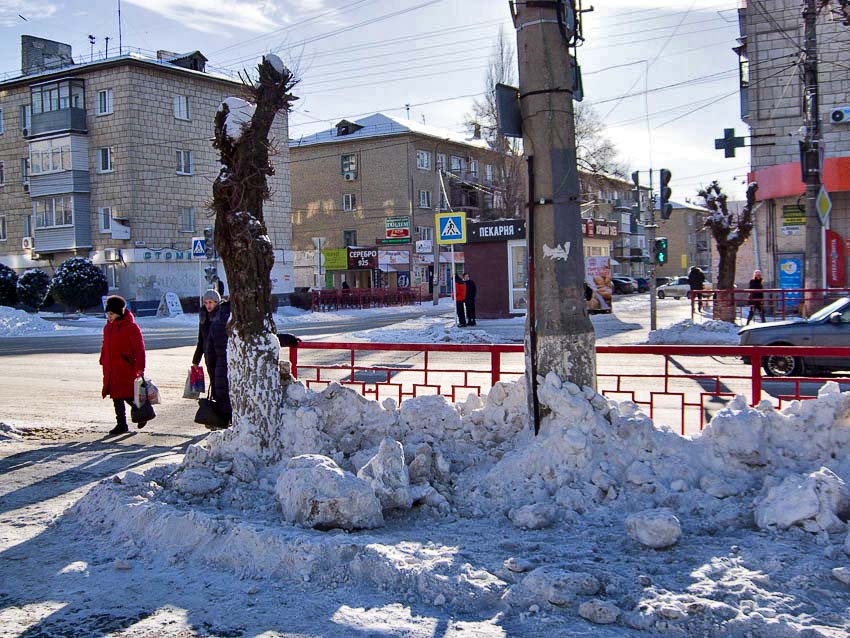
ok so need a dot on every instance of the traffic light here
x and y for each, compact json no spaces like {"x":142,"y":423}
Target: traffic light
{"x":660,"y":250}
{"x":211,"y":274}
{"x":666,"y":206}
{"x":209,"y":244}
{"x":636,"y":190}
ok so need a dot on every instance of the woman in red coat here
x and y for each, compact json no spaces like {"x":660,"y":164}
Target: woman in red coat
{"x":460,"y":297}
{"x":123,"y":359}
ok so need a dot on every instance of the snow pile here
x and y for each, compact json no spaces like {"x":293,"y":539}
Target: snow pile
{"x":425,"y":330}
{"x":275,"y":61}
{"x":598,"y":468}
{"x":9,"y":433}
{"x":720,"y":333}
{"x":239,"y":114}
{"x":17,"y":323}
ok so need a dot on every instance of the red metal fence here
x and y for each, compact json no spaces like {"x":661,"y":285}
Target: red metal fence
{"x":329,"y":300}
{"x":671,"y":383}
{"x":778,"y":303}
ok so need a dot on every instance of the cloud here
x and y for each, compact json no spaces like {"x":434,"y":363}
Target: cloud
{"x":214,"y":16}
{"x":30,"y":9}
{"x":673,"y":5}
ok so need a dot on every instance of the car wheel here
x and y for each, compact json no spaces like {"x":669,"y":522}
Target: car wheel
{"x":782,"y":366}
{"x":661,"y":294}
{"x":676,"y":297}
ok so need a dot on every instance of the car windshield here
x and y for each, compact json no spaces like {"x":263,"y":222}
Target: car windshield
{"x":824,"y":312}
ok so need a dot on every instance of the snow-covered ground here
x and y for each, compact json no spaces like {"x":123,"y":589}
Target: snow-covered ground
{"x":460,"y":521}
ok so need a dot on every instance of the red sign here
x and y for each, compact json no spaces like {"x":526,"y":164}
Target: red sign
{"x":362,"y":259}
{"x":836,"y":275}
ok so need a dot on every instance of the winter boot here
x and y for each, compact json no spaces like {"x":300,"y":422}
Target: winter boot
{"x":120,"y":428}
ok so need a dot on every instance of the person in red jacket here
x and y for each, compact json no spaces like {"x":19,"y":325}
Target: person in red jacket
{"x":122,"y":357}
{"x":460,"y":297}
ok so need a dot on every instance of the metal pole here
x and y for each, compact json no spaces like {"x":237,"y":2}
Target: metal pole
{"x":652,"y":227}
{"x":120,"y":39}
{"x":815,"y":241}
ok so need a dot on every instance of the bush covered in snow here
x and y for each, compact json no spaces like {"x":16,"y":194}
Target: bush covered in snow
{"x":8,"y":286}
{"x":78,"y":283}
{"x":32,"y":288}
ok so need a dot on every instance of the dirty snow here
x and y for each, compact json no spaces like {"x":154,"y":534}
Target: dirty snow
{"x":721,"y":333}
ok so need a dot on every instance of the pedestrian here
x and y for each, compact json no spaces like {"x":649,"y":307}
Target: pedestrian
{"x":696,"y":280}
{"x":460,"y":299}
{"x":122,"y":357}
{"x":756,"y":298}
{"x":469,"y":302}
{"x":215,"y":353}
{"x":210,"y":301}
{"x":345,"y":285}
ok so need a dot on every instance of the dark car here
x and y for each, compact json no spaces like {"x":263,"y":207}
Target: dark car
{"x":829,"y":326}
{"x":623,"y":285}
{"x":643,"y":284}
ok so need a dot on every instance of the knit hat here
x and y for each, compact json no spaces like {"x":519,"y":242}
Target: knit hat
{"x":212,"y":295}
{"x":115,"y":304}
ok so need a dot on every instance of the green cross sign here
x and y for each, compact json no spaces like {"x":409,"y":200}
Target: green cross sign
{"x":729,"y":142}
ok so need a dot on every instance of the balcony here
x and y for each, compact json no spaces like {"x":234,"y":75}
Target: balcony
{"x":62,"y":121}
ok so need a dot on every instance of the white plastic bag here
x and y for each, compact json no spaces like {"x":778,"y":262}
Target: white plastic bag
{"x":152,"y":392}
{"x":144,"y":391}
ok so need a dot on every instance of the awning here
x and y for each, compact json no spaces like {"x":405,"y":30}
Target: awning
{"x":614,"y":262}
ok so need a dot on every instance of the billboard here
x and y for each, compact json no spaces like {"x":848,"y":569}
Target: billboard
{"x":597,"y":277}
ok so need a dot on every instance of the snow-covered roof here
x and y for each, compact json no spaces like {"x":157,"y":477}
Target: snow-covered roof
{"x":685,"y":205}
{"x":382,"y":125}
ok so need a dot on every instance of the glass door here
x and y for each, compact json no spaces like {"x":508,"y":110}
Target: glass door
{"x":518,"y":276}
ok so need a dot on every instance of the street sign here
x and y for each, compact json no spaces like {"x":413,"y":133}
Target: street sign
{"x":823,"y":204}
{"x":451,"y":228}
{"x":199,"y":248}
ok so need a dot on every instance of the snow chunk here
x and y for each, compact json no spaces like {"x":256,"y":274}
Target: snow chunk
{"x":654,"y":528}
{"x":537,"y":516}
{"x":721,"y":333}
{"x":17,"y":323}
{"x":600,"y":612}
{"x":239,"y":114}
{"x":275,"y":61}
{"x":315,"y":492}
{"x":818,"y":502}
{"x":387,"y":474}
{"x":197,"y":481}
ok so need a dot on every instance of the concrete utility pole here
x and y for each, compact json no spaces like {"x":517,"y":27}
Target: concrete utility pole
{"x":559,"y":334}
{"x":810,"y":153}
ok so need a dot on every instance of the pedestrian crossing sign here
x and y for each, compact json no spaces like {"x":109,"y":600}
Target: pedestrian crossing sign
{"x":199,"y":248}
{"x":451,"y":228}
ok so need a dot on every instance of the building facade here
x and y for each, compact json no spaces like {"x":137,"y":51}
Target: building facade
{"x":689,"y":242}
{"x":112,"y":160}
{"x":773,"y":102}
{"x":375,"y":184}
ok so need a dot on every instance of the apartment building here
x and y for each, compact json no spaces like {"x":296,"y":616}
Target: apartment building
{"x":365,"y":192}
{"x":773,"y":103}
{"x":112,"y":160}
{"x":689,"y":243}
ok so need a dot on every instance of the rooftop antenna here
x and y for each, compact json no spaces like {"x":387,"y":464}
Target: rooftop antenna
{"x":91,"y":46}
{"x":107,"y":46}
{"x":407,"y":108}
{"x":120,"y":40}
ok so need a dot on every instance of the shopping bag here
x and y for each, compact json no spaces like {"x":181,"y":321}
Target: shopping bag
{"x":152,"y":392}
{"x":190,"y":391}
{"x":209,"y":416}
{"x":196,"y":375}
{"x":140,"y":392}
{"x":142,"y":414}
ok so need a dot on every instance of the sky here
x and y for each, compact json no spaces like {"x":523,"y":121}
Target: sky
{"x":359,"y":57}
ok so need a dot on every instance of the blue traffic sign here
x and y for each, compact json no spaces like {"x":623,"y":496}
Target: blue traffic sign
{"x":451,"y":228}
{"x":199,"y":248}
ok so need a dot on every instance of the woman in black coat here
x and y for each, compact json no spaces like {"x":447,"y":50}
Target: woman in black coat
{"x":215,"y":354}
{"x":756,"y":298}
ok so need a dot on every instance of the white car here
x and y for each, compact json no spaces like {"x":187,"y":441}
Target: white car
{"x":677,"y":288}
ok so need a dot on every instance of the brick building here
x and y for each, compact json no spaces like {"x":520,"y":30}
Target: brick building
{"x":112,"y":160}
{"x":374,"y":184}
{"x":772,"y":104}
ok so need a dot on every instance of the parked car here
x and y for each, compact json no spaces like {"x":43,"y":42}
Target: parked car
{"x":661,"y":281}
{"x":623,"y":285}
{"x":643,"y":284}
{"x":677,"y":288}
{"x":829,"y":326}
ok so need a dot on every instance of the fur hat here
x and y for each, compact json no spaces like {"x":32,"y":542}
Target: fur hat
{"x":212,"y":295}
{"x":115,"y":304}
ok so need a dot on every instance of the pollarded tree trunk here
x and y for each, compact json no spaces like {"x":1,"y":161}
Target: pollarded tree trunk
{"x":242,"y":137}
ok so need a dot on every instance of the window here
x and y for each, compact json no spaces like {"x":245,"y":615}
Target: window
{"x":441,"y":161}
{"x":349,"y":201}
{"x":423,"y":160}
{"x":473,"y":167}
{"x":184,"y":162}
{"x":2,"y":173}
{"x":348,"y":163}
{"x":111,"y":272}
{"x":50,"y":156}
{"x":26,"y":113}
{"x":425,"y":233}
{"x":349,"y":238}
{"x":53,"y":211}
{"x":58,"y":96}
{"x":186,"y":221}
{"x":104,"y":160}
{"x":27,"y":225}
{"x":444,"y":205}
{"x":181,"y":107}
{"x":488,"y":172}
{"x":25,"y":170}
{"x":1,"y":121}
{"x":457,"y":164}
{"x":424,"y":199}
{"x":104,"y":102}
{"x":3,"y":236}
{"x":104,"y":219}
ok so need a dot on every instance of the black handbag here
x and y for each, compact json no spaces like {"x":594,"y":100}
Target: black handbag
{"x":208,"y":415}
{"x":143,"y":414}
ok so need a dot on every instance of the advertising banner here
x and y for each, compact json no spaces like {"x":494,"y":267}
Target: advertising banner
{"x":836,"y":276}
{"x":362,"y":258}
{"x":597,"y":276}
{"x":335,"y":258}
{"x":791,"y":276}
{"x":397,"y":229}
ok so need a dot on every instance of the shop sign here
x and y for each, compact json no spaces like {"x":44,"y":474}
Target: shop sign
{"x":397,"y":229}
{"x":362,"y":258}
{"x":424,"y":246}
{"x":793,"y":216}
{"x":499,"y":230}
{"x":600,"y":228}
{"x":393,"y":257}
{"x":836,"y":276}
{"x":335,"y":258}
{"x":166,"y":255}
